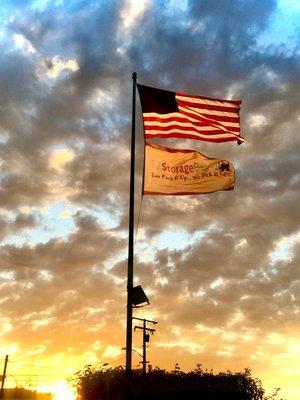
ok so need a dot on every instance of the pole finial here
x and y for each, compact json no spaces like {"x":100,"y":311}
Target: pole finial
{"x":134,"y":75}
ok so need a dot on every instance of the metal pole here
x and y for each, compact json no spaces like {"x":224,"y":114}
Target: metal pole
{"x":131,"y":235}
{"x":3,"y":377}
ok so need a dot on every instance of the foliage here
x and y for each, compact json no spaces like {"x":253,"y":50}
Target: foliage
{"x":159,"y":384}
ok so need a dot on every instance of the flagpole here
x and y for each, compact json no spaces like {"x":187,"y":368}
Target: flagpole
{"x":131,"y":235}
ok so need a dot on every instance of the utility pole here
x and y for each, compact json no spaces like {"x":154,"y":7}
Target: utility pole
{"x":146,"y":338}
{"x":3,"y":376}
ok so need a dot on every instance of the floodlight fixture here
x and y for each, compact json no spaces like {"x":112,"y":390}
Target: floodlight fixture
{"x":139,"y":298}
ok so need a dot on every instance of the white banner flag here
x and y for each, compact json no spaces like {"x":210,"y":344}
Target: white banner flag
{"x":182,"y":172}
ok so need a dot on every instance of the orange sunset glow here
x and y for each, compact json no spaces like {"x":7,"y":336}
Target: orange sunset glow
{"x":220,"y":268}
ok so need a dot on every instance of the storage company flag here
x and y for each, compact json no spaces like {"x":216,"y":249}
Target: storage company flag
{"x":177,"y":115}
{"x":178,"y":172}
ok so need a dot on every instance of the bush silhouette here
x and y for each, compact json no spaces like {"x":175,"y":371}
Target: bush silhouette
{"x":159,"y":384}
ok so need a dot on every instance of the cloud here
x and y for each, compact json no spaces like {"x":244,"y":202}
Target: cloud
{"x":19,"y":223}
{"x":226,"y":287}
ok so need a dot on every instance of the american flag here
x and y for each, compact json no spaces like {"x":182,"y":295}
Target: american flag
{"x":168,"y":114}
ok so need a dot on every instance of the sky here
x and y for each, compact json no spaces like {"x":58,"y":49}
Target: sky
{"x":221,"y":269}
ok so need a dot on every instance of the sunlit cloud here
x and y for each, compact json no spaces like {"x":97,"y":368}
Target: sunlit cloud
{"x":132,"y":11}
{"x":59,"y":158}
{"x":23,"y":43}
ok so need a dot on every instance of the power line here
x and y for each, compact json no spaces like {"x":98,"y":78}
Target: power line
{"x":31,"y":365}
{"x":35,"y":377}
{"x":35,"y":374}
{"x":108,"y":363}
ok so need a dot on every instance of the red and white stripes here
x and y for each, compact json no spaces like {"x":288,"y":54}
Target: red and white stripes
{"x":199,"y":118}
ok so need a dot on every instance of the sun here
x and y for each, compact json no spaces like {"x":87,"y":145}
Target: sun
{"x":61,"y":391}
